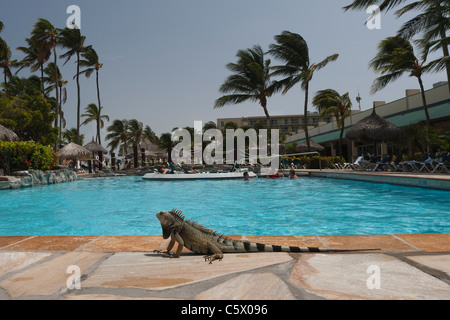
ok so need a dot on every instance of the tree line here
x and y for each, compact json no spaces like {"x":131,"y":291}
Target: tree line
{"x":252,"y":75}
{"x":27,"y":107}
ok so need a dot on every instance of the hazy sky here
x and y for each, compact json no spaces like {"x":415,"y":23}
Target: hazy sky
{"x":164,"y":60}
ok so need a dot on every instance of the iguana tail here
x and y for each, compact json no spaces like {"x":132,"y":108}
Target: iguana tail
{"x":246,"y":246}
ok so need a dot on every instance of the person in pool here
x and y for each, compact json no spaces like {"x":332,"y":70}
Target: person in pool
{"x":292,"y":174}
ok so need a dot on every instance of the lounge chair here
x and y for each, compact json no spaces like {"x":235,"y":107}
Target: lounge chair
{"x":353,"y":165}
{"x":367,"y":164}
{"x":396,"y":164}
{"x":417,"y":166}
{"x":386,"y":161}
{"x":441,"y":163}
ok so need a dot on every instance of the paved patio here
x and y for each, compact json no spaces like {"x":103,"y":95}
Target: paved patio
{"x":125,"y":267}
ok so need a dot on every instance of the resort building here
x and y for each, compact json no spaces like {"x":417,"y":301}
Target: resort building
{"x":405,"y":111}
{"x":287,"y":124}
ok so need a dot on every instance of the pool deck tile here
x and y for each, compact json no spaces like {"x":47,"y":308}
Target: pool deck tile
{"x":125,"y":267}
{"x":8,"y":241}
{"x":386,"y":243}
{"x":50,"y":243}
{"x":428,"y":242}
{"x":125,"y":243}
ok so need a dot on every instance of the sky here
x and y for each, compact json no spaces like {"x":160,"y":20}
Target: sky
{"x":164,"y":60}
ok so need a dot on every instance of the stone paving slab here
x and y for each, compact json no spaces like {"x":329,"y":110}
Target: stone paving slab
{"x":50,"y":277}
{"x":14,"y":261}
{"x":437,"y":262}
{"x":259,"y":286}
{"x":354,"y":276}
{"x":132,"y":270}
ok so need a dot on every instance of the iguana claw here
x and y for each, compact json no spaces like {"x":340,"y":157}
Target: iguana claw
{"x":213,"y":257}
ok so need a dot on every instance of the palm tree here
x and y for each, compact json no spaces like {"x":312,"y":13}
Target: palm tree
{"x":135,"y":135}
{"x":74,"y":41}
{"x":5,"y":59}
{"x":395,"y":57}
{"x":118,"y":136}
{"x":6,"y":63}
{"x":149,"y":134}
{"x":165,"y":142}
{"x":93,"y":113}
{"x":293,"y":50}
{"x":433,"y":20}
{"x":92,"y":64}
{"x":35,"y":59}
{"x":250,"y":81}
{"x":46,"y":38}
{"x":330,"y":102}
{"x":50,"y":72}
{"x":70,"y":135}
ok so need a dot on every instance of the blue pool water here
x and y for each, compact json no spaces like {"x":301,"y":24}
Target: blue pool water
{"x":127,"y":206}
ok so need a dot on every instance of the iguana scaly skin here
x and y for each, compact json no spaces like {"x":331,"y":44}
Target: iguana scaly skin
{"x":201,"y":240}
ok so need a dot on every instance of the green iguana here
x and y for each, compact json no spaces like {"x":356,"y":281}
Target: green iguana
{"x":201,"y":240}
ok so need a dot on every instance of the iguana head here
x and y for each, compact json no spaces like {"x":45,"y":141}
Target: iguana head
{"x":171,"y":221}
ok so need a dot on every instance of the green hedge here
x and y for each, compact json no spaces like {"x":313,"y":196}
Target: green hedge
{"x":25,"y":155}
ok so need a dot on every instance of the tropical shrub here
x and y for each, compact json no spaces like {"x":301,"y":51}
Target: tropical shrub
{"x":26,"y":155}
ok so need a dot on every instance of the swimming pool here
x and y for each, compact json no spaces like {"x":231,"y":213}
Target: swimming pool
{"x":316,"y":206}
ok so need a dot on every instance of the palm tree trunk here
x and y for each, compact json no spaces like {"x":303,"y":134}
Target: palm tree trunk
{"x":99,"y":109}
{"x":42,"y":79}
{"x":135,"y":155}
{"x":57,"y":92}
{"x":60,"y":112}
{"x":424,"y":101}
{"x":78,"y":96}
{"x":6,"y":84}
{"x":263,"y":103}
{"x":305,"y":117}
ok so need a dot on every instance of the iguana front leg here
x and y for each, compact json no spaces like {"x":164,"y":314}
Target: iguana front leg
{"x":175,"y":237}
{"x":217,"y":254}
{"x":171,"y":241}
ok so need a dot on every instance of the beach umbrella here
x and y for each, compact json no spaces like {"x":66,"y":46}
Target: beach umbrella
{"x":314,"y":146}
{"x":95,"y":147}
{"x":73,"y":151}
{"x":7,"y":135}
{"x":374,"y":128}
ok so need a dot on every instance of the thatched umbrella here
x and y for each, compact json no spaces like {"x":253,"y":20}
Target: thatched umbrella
{"x":7,"y":135}
{"x":313,"y":145}
{"x":95,"y":147}
{"x":73,"y":151}
{"x":374,"y":128}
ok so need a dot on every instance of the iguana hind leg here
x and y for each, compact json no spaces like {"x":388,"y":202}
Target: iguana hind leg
{"x":217,"y":254}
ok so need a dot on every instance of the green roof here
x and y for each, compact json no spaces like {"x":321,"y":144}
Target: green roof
{"x":436,"y":111}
